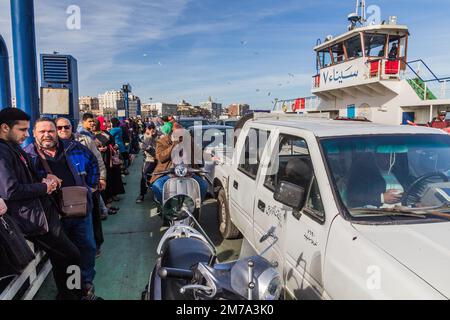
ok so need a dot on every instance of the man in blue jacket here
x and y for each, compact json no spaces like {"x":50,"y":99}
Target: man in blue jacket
{"x":74,"y":165}
{"x":28,"y":201}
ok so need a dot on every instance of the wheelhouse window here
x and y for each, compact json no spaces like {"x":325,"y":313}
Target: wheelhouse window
{"x":397,"y":47}
{"x":338,"y":53}
{"x":324,"y":58}
{"x":354,"y":47}
{"x":375,"y":45}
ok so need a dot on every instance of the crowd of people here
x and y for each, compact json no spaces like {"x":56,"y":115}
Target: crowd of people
{"x":58,"y":188}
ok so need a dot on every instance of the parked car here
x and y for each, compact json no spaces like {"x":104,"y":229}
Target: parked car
{"x":355,"y":210}
{"x":214,"y":143}
{"x":227,"y":122}
{"x":190,"y":122}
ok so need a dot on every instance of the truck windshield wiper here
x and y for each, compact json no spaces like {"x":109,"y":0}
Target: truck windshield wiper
{"x":396,"y":211}
{"x":409,"y":212}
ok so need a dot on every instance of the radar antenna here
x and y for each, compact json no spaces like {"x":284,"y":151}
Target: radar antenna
{"x":359,"y":16}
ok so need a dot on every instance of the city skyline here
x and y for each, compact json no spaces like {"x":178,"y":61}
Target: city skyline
{"x":245,"y":52}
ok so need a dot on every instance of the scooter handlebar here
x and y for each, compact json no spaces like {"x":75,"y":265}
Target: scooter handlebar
{"x":165,"y":273}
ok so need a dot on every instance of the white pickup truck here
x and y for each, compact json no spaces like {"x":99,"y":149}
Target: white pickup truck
{"x":351,"y":210}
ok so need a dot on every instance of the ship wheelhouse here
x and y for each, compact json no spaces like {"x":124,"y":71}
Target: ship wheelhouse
{"x":359,"y":58}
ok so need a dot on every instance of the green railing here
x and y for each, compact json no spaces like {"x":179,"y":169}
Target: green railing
{"x":420,"y":87}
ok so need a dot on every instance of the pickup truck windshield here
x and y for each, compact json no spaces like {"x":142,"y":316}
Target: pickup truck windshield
{"x":386,"y":172}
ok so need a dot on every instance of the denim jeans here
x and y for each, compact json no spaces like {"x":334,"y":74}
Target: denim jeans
{"x":158,"y":186}
{"x":81,"y":232}
{"x":148,"y":168}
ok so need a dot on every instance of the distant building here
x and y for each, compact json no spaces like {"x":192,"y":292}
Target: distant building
{"x":214,"y":108}
{"x":238,"y":109}
{"x":133,"y":104}
{"x":90,"y":104}
{"x":110,"y":100}
{"x":159,"y":109}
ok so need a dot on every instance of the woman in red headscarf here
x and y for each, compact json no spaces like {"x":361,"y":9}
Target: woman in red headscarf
{"x":114,"y":183}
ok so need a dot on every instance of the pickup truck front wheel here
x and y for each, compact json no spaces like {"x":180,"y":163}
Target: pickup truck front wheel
{"x":226,"y":227}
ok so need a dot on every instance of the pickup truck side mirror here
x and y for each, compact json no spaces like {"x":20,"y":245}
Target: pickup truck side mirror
{"x":289,"y":194}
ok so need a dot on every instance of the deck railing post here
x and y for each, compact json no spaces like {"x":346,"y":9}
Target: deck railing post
{"x":25,"y":65}
{"x":5,"y":80}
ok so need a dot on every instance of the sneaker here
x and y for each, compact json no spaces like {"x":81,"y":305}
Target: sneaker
{"x":140,"y":199}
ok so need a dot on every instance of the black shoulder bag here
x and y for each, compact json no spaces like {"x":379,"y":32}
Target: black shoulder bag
{"x":15,"y":253}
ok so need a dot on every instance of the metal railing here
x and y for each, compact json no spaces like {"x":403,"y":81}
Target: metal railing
{"x":311,"y":103}
{"x":26,"y":285}
{"x":425,"y":82}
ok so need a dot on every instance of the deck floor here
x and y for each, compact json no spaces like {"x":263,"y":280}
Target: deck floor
{"x":131,"y":238}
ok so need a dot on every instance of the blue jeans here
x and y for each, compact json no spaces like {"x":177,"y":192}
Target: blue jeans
{"x":81,"y":232}
{"x":158,"y":185}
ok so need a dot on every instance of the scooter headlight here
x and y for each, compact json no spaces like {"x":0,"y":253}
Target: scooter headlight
{"x":181,"y":171}
{"x":267,"y":280}
{"x":270,"y":285}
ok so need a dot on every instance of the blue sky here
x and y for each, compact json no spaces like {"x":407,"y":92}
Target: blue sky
{"x":234,"y":51}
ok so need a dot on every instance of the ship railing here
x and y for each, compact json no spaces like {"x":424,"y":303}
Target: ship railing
{"x":25,"y":285}
{"x":425,"y":82}
{"x":312,"y":103}
{"x":316,"y":81}
{"x":385,"y":69}
{"x":306,"y":104}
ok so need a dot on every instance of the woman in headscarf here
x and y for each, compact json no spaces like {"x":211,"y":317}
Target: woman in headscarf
{"x":114,"y":183}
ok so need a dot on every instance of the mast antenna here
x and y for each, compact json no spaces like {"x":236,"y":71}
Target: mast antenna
{"x":359,"y":16}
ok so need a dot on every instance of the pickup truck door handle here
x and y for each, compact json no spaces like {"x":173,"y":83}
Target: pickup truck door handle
{"x":261,"y":206}
{"x":235,"y":185}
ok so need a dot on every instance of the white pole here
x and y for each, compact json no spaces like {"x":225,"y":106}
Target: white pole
{"x":431,"y":113}
{"x":363,"y":9}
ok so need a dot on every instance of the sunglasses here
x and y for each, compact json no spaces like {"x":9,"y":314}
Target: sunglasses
{"x":63,"y":127}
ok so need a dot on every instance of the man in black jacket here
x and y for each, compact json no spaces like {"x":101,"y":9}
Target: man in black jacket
{"x":30,"y":204}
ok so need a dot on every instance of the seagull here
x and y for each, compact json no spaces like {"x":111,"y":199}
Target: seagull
{"x":256,"y":53}
{"x":269,"y":94}
{"x":243,"y":42}
{"x":257,"y":90}
{"x":145,"y":55}
{"x":291,"y":75}
{"x":160,"y":63}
